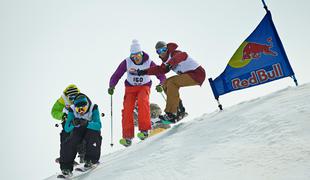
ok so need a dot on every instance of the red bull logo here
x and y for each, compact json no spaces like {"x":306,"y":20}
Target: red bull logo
{"x":258,"y":77}
{"x":254,"y":50}
{"x":249,"y":51}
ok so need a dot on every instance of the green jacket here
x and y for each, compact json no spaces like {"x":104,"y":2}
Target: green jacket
{"x":57,"y":110}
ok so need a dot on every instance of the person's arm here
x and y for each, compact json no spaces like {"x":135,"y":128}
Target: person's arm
{"x":177,"y":57}
{"x":95,"y":123}
{"x":155,"y":70}
{"x":68,"y":125}
{"x":57,"y":109}
{"x":160,"y":77}
{"x":117,"y":75}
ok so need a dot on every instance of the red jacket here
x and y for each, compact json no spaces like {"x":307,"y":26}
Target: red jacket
{"x":177,"y":56}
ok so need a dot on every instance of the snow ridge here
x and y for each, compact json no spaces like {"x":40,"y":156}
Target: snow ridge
{"x":265,"y":138}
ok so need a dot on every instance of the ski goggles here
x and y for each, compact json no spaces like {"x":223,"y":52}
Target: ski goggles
{"x":81,"y":109}
{"x":161,"y":50}
{"x":71,"y":98}
{"x":136,"y":56}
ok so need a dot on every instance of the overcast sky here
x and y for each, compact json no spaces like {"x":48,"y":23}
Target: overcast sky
{"x":46,"y":45}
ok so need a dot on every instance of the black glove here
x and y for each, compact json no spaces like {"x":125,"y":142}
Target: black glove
{"x":64,"y":117}
{"x":76,"y":122}
{"x":141,"y":72}
{"x":83,"y":122}
{"x":168,"y":67}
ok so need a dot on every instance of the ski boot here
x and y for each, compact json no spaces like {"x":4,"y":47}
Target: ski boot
{"x":181,"y":111}
{"x":66,"y":173}
{"x":125,"y":142}
{"x":143,"y":135}
{"x":168,"y":118}
{"x":82,"y":156}
{"x":89,"y":164}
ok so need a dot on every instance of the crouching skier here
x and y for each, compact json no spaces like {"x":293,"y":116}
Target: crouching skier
{"x":83,"y":123}
{"x":60,"y":112}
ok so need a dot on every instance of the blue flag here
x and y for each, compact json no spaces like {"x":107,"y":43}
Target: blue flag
{"x":260,"y":59}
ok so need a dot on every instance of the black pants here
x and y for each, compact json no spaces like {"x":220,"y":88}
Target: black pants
{"x":81,"y":149}
{"x":68,"y":149}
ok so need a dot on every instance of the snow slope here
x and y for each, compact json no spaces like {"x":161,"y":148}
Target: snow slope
{"x":264,"y":139}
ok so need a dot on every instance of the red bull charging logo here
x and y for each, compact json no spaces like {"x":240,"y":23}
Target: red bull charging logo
{"x":249,"y":51}
{"x":254,"y":50}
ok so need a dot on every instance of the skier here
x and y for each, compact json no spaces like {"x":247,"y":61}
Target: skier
{"x":60,"y":112}
{"x":83,"y":123}
{"x":136,"y":88}
{"x":189,"y":72}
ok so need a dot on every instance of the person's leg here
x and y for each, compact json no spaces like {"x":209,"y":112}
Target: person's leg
{"x":63,"y":136}
{"x":68,"y":149}
{"x":93,"y":141}
{"x":171,"y":88}
{"x":81,"y":149}
{"x":127,"y":112}
{"x":144,"y":117}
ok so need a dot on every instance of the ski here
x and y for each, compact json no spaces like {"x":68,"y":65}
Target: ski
{"x":85,"y":169}
{"x":125,"y":142}
{"x":63,"y":176}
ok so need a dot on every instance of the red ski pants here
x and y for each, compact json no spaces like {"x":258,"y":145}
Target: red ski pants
{"x":140,"y":94}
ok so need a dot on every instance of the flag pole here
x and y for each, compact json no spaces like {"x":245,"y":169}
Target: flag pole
{"x":293,"y":76}
{"x":265,"y":6}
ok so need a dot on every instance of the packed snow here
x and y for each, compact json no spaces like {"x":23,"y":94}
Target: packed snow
{"x":263,"y":139}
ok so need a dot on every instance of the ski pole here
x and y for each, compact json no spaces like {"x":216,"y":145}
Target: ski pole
{"x":111,"y":121}
{"x":162,"y":94}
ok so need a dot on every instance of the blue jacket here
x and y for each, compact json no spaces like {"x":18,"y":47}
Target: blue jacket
{"x":94,"y":123}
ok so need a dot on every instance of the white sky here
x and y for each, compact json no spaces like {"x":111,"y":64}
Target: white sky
{"x":46,"y":45}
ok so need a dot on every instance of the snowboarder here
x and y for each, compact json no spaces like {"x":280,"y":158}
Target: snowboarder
{"x":189,"y":72}
{"x":60,"y":113}
{"x":136,"y":88}
{"x":155,"y":111}
{"x":83,"y":123}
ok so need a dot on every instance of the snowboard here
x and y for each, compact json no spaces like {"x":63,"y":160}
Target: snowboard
{"x":78,"y":172}
{"x":62,"y":176}
{"x":156,"y":131}
{"x":179,"y":118}
{"x":84,"y":169}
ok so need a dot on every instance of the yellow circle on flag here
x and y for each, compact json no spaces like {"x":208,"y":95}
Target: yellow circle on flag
{"x":237,"y":60}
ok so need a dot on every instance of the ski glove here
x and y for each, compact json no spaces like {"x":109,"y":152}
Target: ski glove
{"x":168,"y":67}
{"x":77,"y":122}
{"x":159,"y":88}
{"x":64,"y":117}
{"x":111,"y":91}
{"x":141,"y":72}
